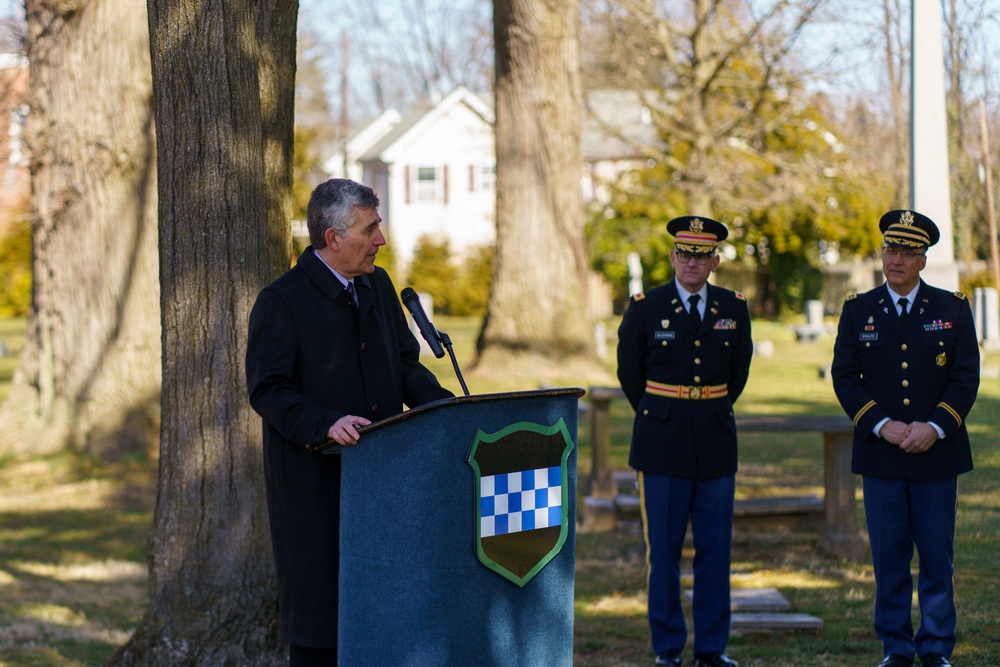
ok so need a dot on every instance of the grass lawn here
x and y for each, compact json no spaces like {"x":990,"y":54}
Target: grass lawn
{"x":73,"y":533}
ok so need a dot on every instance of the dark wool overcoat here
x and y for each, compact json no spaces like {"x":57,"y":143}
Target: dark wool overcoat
{"x":926,"y":370}
{"x":313,"y":357}
{"x":658,"y":341}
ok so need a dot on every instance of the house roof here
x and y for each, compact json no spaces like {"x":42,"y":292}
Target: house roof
{"x":364,"y":139}
{"x":616,"y":124}
{"x":425,"y":113}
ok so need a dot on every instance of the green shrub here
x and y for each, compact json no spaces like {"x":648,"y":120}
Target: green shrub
{"x":472,"y":292}
{"x":458,"y":287}
{"x":432,"y":271}
{"x":968,"y":284}
{"x":15,"y":269}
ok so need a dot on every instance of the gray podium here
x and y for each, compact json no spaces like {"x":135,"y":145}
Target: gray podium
{"x":452,"y":548}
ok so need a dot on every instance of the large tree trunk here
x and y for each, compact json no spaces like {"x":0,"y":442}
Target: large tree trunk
{"x":89,"y":375}
{"x":223,"y":89}
{"x":538,"y":318}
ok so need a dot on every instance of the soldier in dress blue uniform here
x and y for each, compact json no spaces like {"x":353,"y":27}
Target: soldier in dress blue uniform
{"x":906,"y":370}
{"x":684,"y":353}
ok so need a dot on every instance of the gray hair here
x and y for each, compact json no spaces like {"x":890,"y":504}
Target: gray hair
{"x":332,"y":204}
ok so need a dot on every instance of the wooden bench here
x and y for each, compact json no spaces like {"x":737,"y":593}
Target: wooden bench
{"x":838,"y":531}
{"x":790,"y":512}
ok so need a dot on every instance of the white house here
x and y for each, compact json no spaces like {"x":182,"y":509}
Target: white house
{"x":436,"y":174}
{"x":435,"y":168}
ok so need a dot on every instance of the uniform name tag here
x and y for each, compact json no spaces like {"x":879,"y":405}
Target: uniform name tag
{"x":664,"y":335}
{"x":868,"y":335}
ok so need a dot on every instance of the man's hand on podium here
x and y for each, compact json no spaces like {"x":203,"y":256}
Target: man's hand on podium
{"x":345,"y":431}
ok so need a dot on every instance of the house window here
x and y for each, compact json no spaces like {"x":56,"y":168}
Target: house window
{"x":426,"y":183}
{"x":488,"y":177}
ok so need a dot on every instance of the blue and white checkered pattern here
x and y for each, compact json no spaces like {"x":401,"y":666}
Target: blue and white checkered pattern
{"x":516,"y":501}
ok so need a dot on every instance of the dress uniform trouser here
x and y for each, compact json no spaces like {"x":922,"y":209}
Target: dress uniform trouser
{"x":667,"y":503}
{"x":902,"y":514}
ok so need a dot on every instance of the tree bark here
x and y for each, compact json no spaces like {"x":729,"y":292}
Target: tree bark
{"x":89,"y":374}
{"x":223,"y":73}
{"x":537,"y":313}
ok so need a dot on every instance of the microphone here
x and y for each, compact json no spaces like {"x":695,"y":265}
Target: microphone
{"x":427,"y":330}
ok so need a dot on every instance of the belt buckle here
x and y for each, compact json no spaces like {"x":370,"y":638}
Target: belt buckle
{"x":696,"y":393}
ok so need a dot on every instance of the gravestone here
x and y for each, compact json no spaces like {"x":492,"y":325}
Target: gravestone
{"x":601,"y":339}
{"x":985,"y":313}
{"x":427,"y":303}
{"x":813,"y":328}
{"x":634,"y":273}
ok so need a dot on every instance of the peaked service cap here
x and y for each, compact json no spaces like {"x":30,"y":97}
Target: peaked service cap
{"x":697,"y":235}
{"x":908,"y":229}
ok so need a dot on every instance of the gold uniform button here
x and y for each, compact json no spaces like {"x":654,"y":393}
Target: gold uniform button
{"x":904,"y":347}
{"x":940,"y":343}
{"x":868,"y":344}
{"x":697,"y":362}
{"x":906,"y":383}
{"x":905,"y":365}
{"x":697,"y":378}
{"x":664,"y":343}
{"x":697,"y":343}
{"x":645,"y":412}
{"x":906,"y":401}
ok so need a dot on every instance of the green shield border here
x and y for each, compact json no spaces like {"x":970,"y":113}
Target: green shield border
{"x":481,"y":436}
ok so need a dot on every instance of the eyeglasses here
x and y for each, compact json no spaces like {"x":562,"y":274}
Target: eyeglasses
{"x":892,"y":253}
{"x":700,"y":260}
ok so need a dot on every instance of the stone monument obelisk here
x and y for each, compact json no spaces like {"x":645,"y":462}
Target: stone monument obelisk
{"x":930,"y":188}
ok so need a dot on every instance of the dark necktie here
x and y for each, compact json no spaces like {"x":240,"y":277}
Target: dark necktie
{"x":902,"y":310}
{"x":693,"y":309}
{"x":350,"y":290}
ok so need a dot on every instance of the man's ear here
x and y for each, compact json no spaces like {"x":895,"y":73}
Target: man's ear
{"x":330,"y":236}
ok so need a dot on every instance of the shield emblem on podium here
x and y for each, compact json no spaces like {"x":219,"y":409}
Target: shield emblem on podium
{"x":522,"y":507}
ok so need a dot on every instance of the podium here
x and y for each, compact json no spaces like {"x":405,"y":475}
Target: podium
{"x":452,"y":551}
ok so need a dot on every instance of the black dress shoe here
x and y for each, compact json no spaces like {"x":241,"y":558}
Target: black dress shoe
{"x":714,"y":660}
{"x":934,"y":660}
{"x":669,"y":658}
{"x":896,"y":660}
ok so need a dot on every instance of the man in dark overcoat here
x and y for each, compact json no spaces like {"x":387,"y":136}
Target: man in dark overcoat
{"x":906,"y":370}
{"x":682,"y":364}
{"x":328,"y":351}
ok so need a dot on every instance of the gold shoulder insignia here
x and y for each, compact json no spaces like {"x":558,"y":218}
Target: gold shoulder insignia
{"x":959,"y":296}
{"x":739,"y":295}
{"x":852,"y":296}
{"x":639,"y":296}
